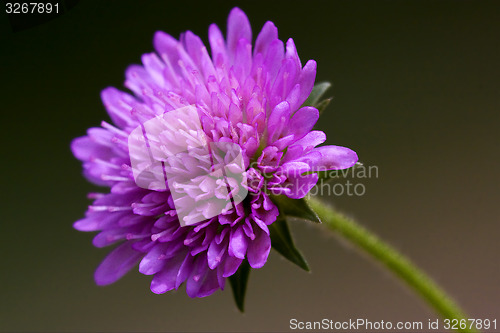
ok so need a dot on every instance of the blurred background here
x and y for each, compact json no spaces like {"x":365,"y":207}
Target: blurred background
{"x":416,"y":93}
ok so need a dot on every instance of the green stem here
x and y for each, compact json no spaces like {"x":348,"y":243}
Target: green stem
{"x":398,"y":264}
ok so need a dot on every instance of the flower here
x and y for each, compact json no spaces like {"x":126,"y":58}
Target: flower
{"x":243,"y":101}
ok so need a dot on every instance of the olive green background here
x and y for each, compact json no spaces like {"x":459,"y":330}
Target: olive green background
{"x":416,"y":93}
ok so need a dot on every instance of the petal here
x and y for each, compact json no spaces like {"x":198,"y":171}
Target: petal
{"x":99,"y":221}
{"x":268,"y":33}
{"x":117,"y":264}
{"x":294,"y":168}
{"x":165,"y":44}
{"x":155,"y":68}
{"x":108,"y":237}
{"x":242,"y":59}
{"x":261,"y":224}
{"x":303,"y":121}
{"x":165,"y":280}
{"x":311,"y":140}
{"x":139,"y":81}
{"x":258,"y":249}
{"x":217,"y":45}
{"x":87,"y":224}
{"x":335,"y":158}
{"x":153,"y":262}
{"x":299,"y":186}
{"x":193,"y":45}
{"x":209,"y":284}
{"x":273,"y":59}
{"x":195,"y":280}
{"x":312,"y":159}
{"x":198,"y":52}
{"x":84,"y":148}
{"x":238,"y":27}
{"x":231,"y":265}
{"x":294,"y":97}
{"x":284,"y":82}
{"x":278,"y":120}
{"x":306,"y":80}
{"x":118,"y":105}
{"x":238,"y":243}
{"x":184,"y":270}
{"x":220,"y":277}
{"x":215,"y":253}
{"x":292,"y":153}
{"x":268,"y":204}
{"x":302,"y":147}
{"x":291,"y":53}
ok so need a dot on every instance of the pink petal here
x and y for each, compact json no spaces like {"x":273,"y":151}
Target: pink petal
{"x":185,"y":270}
{"x":278,"y":120}
{"x":209,"y":284}
{"x":336,"y":158}
{"x":217,"y":45}
{"x":303,"y":121}
{"x":268,"y":33}
{"x":231,"y":265}
{"x":153,"y":262}
{"x":273,"y":59}
{"x":311,"y":140}
{"x":299,"y":186}
{"x":215,"y":253}
{"x":291,"y":53}
{"x":306,"y":80}
{"x":238,"y":27}
{"x":117,"y":264}
{"x":118,"y":104}
{"x":238,"y":243}
{"x":165,"y":44}
{"x":83,"y":148}
{"x":258,"y":249}
{"x":198,"y":52}
{"x":165,"y":280}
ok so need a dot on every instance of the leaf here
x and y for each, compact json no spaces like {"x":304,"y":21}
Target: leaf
{"x":317,"y":92}
{"x":238,"y":283}
{"x":281,"y":241}
{"x":295,"y":207}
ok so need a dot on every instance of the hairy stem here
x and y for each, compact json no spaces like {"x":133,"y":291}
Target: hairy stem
{"x":391,"y":259}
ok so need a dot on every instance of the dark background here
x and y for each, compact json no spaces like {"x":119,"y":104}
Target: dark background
{"x":416,"y":93}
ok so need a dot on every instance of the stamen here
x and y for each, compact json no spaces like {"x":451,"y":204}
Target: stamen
{"x":113,"y":129}
{"x":114,"y":178}
{"x":109,"y":208}
{"x":103,"y":162}
{"x":95,"y":195}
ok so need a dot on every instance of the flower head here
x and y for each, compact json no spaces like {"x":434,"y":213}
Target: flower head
{"x":194,"y":157}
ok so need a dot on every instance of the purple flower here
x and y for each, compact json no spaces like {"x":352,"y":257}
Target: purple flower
{"x":246,"y":95}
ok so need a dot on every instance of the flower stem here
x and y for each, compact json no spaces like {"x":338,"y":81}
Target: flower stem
{"x":398,"y":264}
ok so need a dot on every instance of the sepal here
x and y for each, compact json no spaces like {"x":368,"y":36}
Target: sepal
{"x":295,"y":208}
{"x":239,"y":281}
{"x":328,"y":175}
{"x":282,"y":242}
{"x":316,"y":99}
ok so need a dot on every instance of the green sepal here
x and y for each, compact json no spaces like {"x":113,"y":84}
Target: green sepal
{"x":282,"y":242}
{"x":337,"y":174}
{"x":239,"y":281}
{"x":295,"y":208}
{"x":317,"y":92}
{"x":321,"y":106}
